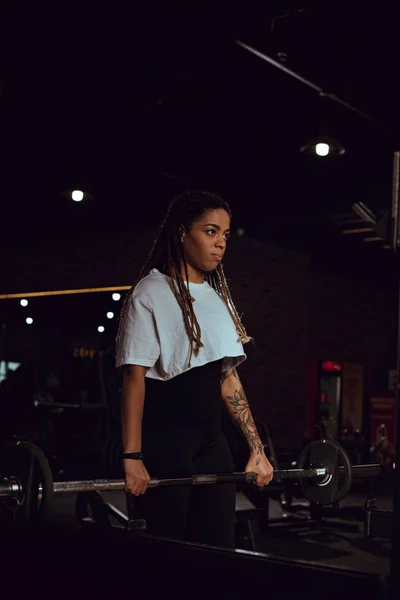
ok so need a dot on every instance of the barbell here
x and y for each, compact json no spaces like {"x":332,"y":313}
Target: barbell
{"x":66,"y":405}
{"x":27,"y":487}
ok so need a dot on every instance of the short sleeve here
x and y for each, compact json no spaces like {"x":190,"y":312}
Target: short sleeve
{"x":138,"y":341}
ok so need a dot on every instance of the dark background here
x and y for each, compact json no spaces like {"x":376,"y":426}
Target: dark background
{"x":133,"y":102}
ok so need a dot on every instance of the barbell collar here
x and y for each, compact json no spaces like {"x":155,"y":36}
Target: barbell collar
{"x":9,"y":488}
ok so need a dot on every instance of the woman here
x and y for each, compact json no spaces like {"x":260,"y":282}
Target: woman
{"x":179,"y":343}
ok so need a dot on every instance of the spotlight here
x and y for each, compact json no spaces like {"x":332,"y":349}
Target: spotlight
{"x":77,"y":196}
{"x":110,"y":315}
{"x":29,"y":320}
{"x":24,"y":302}
{"x":322,"y":149}
{"x":116,"y":297}
{"x":323,"y":146}
{"x":100,"y":329}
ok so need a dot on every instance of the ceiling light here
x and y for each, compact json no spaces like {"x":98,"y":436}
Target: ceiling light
{"x":322,"y":149}
{"x":110,"y":315}
{"x":116,"y":296}
{"x":24,"y":302}
{"x":77,"y":196}
{"x":29,"y":320}
{"x":323,"y":146}
{"x":100,"y":329}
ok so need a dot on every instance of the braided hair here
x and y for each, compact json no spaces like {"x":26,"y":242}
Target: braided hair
{"x":168,"y":257}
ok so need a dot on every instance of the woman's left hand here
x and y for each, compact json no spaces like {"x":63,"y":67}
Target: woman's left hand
{"x":259,"y":463}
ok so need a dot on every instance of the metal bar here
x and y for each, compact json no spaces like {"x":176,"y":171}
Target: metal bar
{"x":7,"y":488}
{"x":372,"y":470}
{"x":394,"y":579}
{"x":119,"y":484}
{"x":360,"y":230}
{"x":103,"y":485}
{"x":39,"y":404}
{"x":88,"y":485}
{"x":363,"y":213}
{"x":300,"y":473}
{"x":280,"y":66}
{"x":307,"y":82}
{"x":394,"y":241}
{"x":118,"y":288}
{"x":373,"y":239}
{"x":87,"y":406}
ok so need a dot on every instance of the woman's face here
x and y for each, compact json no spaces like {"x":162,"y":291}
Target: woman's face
{"x":204,"y":244}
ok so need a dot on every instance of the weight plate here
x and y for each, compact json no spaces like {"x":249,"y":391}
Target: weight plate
{"x":27,"y":464}
{"x":332,"y":488}
{"x":112,"y":458}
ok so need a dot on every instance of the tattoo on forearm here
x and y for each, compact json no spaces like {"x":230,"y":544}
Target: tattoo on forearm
{"x":227,"y":374}
{"x":242,"y":416}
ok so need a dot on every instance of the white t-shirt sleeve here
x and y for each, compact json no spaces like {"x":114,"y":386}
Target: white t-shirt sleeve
{"x":139,"y":342}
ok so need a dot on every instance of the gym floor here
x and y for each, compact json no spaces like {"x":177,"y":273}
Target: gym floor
{"x":336,"y":542}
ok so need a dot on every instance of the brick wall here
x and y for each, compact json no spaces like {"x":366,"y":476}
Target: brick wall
{"x":354,"y":322}
{"x":270,"y":287}
{"x":97,"y":259}
{"x":293,"y":311}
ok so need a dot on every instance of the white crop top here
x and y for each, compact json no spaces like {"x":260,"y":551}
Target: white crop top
{"x":153,"y":333}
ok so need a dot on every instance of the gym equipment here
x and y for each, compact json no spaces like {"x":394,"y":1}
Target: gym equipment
{"x":377,"y":523}
{"x":387,"y":229}
{"x":66,"y":405}
{"x":333,"y":488}
{"x":27,"y":485}
{"x":92,"y":509}
{"x":30,"y":484}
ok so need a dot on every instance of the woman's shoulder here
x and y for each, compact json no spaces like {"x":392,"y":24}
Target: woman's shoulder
{"x":151,"y":288}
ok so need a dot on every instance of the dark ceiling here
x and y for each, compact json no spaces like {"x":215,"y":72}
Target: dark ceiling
{"x":134,"y":101}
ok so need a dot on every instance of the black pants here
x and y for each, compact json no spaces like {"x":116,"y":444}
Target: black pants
{"x":189,"y":441}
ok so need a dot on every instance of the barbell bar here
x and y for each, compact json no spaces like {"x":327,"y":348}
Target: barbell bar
{"x":27,"y":486}
{"x":12,"y":487}
{"x":66,"y":405}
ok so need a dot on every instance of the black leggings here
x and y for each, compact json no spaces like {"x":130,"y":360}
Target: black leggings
{"x":203,"y":514}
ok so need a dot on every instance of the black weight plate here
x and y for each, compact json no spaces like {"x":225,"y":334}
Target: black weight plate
{"x":332,"y":488}
{"x":28,"y":465}
{"x":112,"y":457}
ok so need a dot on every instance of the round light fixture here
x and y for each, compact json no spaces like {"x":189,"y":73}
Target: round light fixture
{"x":100,"y":329}
{"x":24,"y":302}
{"x":110,"y":315}
{"x":323,"y":146}
{"x":29,"y":320}
{"x":77,"y":196}
{"x":322,"y":149}
{"x":116,"y":297}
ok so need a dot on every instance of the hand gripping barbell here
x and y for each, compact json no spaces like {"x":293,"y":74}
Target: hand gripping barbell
{"x":27,"y":487}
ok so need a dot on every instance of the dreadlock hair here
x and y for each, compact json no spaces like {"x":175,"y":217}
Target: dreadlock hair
{"x":168,"y":257}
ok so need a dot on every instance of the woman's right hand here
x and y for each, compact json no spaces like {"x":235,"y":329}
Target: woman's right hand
{"x":136,"y":477}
